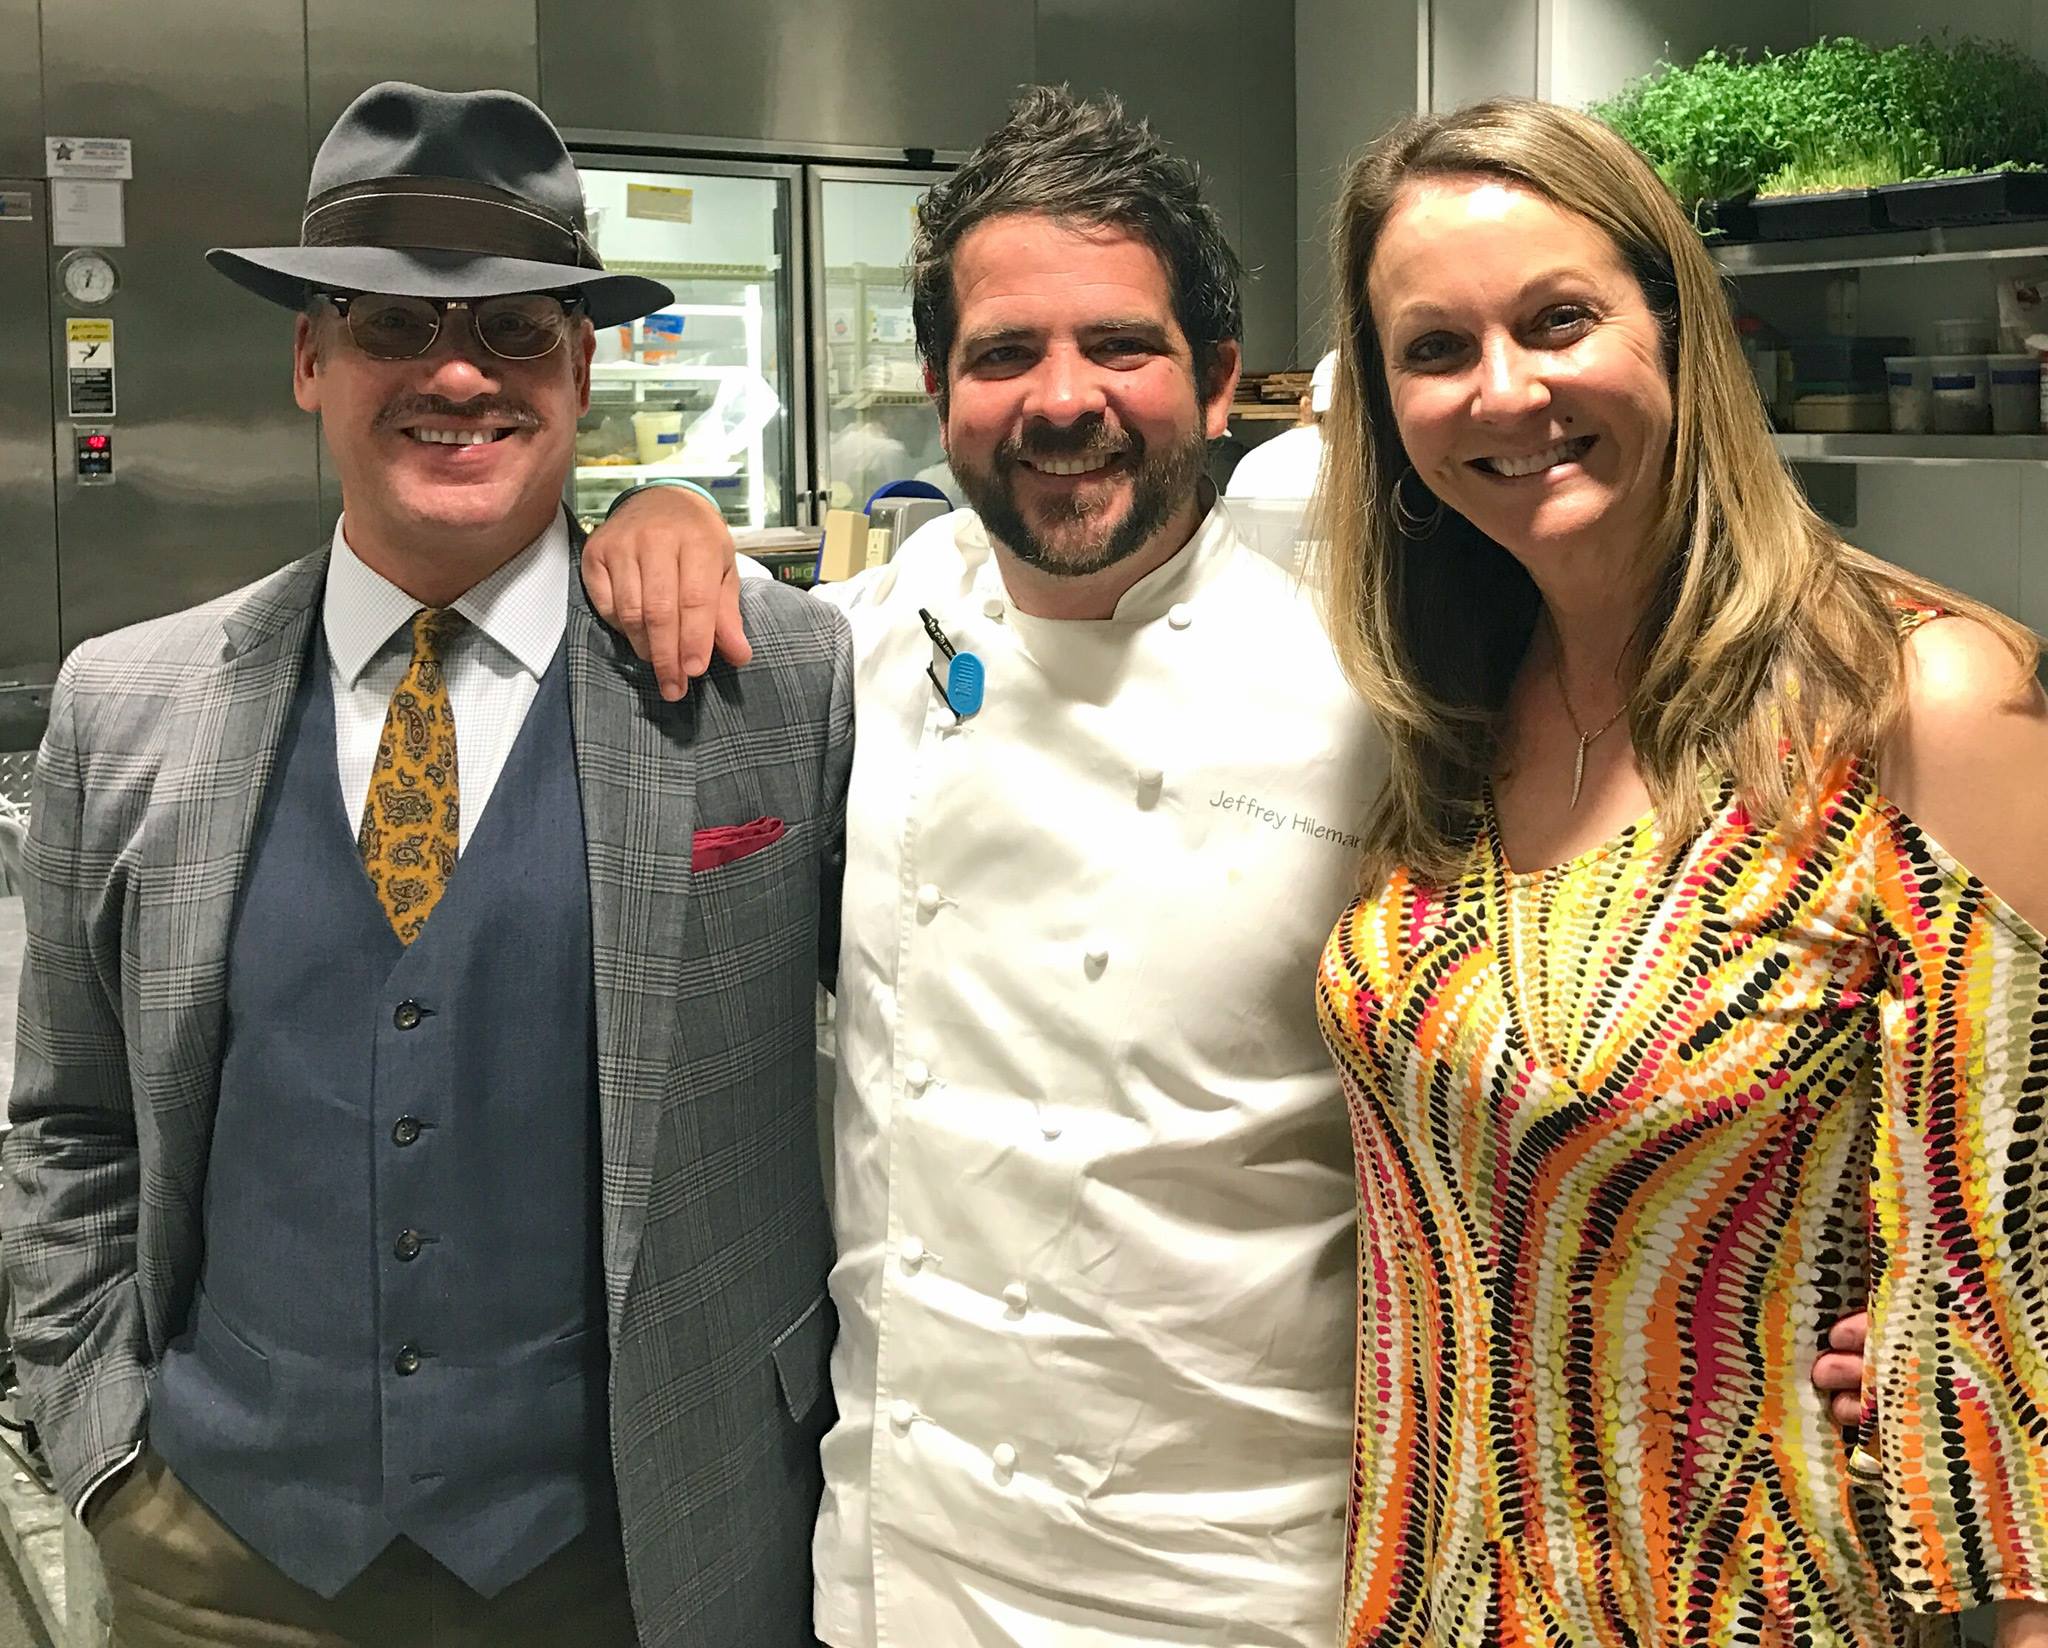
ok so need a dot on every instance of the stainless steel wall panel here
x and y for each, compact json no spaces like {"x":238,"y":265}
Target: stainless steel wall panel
{"x":1268,"y":239}
{"x":21,"y":90}
{"x":1481,"y":48}
{"x":353,"y":44}
{"x":215,"y":477}
{"x":28,"y":500}
{"x":1359,"y":65}
{"x":892,"y":74}
{"x":1216,"y":80}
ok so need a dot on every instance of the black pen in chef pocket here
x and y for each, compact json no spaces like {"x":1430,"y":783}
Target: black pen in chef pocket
{"x":965,"y":679}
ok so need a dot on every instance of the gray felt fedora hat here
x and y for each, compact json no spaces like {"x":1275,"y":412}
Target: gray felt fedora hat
{"x":441,"y":195}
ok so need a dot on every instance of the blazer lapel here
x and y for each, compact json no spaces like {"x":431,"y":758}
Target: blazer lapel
{"x":639,"y":806}
{"x":220,"y":747}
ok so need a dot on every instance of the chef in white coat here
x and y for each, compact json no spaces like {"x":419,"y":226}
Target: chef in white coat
{"x":1286,"y":466}
{"x":1094,"y":1200}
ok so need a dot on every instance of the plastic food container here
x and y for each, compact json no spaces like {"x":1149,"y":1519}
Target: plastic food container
{"x":1962,"y":394}
{"x":1968,"y":336}
{"x":659,"y":435}
{"x":2015,"y":394}
{"x":1840,"y":414}
{"x":1910,"y":385}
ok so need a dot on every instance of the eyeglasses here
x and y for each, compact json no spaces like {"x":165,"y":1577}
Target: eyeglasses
{"x":521,"y":327}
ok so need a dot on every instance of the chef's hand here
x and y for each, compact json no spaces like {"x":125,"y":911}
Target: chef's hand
{"x":1838,"y":1373}
{"x":662,"y":572}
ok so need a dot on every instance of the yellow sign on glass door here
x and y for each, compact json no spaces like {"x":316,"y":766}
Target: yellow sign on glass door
{"x":661,"y":201}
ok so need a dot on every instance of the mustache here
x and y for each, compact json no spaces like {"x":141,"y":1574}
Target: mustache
{"x":1090,"y":438}
{"x":505,"y":408}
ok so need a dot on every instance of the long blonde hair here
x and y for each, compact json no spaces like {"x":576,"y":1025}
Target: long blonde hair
{"x":1771,"y":647}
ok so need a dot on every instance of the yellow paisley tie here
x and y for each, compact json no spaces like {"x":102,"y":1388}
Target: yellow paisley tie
{"x":412,"y":816}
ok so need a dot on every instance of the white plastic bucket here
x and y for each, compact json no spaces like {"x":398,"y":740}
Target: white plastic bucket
{"x":1911,"y":386}
{"x":1969,"y":336}
{"x":1962,"y":394}
{"x":659,"y":435}
{"x":2015,"y":394}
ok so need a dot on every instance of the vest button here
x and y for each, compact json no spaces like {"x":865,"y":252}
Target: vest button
{"x":406,"y":1362}
{"x":407,"y":1015}
{"x":405,"y":1131}
{"x":408,"y":1245}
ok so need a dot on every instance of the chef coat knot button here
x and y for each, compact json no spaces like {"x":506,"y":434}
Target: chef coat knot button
{"x":1048,"y":1128}
{"x":927,"y":901}
{"x":917,"y":1075}
{"x":900,"y":1415}
{"x":1151,"y":781}
{"x":1016,"y":1297}
{"x":913,"y":1254}
{"x":1097,"y":958}
{"x":1179,"y":616}
{"x":992,"y":608}
{"x":1004,"y":1458}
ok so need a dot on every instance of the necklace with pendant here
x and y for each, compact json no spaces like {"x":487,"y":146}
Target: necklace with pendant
{"x":1585,"y":738}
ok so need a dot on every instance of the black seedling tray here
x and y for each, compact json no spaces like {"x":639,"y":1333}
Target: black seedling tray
{"x":1728,"y":222}
{"x":1989,"y":197}
{"x":1809,"y":217}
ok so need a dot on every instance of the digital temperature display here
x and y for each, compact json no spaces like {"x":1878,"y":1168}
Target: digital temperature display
{"x":95,"y":452}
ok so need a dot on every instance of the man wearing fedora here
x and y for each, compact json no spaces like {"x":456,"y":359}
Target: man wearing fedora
{"x":413,"y":1208}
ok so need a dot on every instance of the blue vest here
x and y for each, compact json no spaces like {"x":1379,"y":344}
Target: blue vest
{"x":399,"y":1322}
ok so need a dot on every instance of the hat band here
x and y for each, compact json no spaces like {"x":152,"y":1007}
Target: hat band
{"x":442,"y":215}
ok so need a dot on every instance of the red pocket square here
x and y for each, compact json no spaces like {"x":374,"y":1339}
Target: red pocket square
{"x":725,"y":842}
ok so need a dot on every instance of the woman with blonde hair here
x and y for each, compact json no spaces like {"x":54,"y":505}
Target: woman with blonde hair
{"x":1672,"y":1023}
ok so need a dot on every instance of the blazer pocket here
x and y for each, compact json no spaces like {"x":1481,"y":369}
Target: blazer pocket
{"x":803,"y":1358}
{"x":727,"y":843}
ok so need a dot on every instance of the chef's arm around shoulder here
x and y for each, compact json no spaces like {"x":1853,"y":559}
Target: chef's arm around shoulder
{"x":70,"y":1168}
{"x":1960,"y":1308}
{"x":661,"y":569}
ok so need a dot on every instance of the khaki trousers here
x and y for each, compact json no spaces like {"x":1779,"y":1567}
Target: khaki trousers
{"x":179,"y":1578}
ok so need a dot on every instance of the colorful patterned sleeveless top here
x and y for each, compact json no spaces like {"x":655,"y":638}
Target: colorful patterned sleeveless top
{"x":1632,"y":1133}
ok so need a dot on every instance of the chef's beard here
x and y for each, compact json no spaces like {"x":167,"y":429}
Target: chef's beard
{"x":1161,"y":483}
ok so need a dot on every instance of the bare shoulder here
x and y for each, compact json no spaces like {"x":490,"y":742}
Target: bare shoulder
{"x":1968,"y":760}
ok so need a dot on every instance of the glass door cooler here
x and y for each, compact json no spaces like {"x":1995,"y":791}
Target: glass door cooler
{"x":706,"y":388}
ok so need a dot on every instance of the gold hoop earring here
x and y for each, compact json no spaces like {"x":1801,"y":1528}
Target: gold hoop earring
{"x":1414,"y":523}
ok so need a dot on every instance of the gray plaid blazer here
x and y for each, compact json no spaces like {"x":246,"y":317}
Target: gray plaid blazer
{"x":716,"y":1237}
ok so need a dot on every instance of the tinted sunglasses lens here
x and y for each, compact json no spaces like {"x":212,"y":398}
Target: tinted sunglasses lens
{"x":389,"y":328}
{"x":522,"y":327}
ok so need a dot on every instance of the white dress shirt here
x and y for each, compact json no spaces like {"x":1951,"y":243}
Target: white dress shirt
{"x":493,"y":664}
{"x":1095,"y":1204}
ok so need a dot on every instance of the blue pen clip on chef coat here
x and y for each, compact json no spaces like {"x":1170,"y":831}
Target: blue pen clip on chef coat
{"x":966,"y":678}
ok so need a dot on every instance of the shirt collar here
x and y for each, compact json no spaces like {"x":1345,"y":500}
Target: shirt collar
{"x":1189,"y":567}
{"x":1215,"y":539}
{"x":523,"y":606}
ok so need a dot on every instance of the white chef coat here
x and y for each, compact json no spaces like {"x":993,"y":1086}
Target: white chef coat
{"x":1095,"y":1205}
{"x":1284,"y":466}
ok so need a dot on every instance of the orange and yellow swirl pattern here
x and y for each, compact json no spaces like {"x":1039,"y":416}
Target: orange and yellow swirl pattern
{"x":411,"y":829}
{"x":1631,"y":1133}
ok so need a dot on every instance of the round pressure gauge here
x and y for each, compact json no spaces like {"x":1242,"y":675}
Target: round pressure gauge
{"x":88,"y":277}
